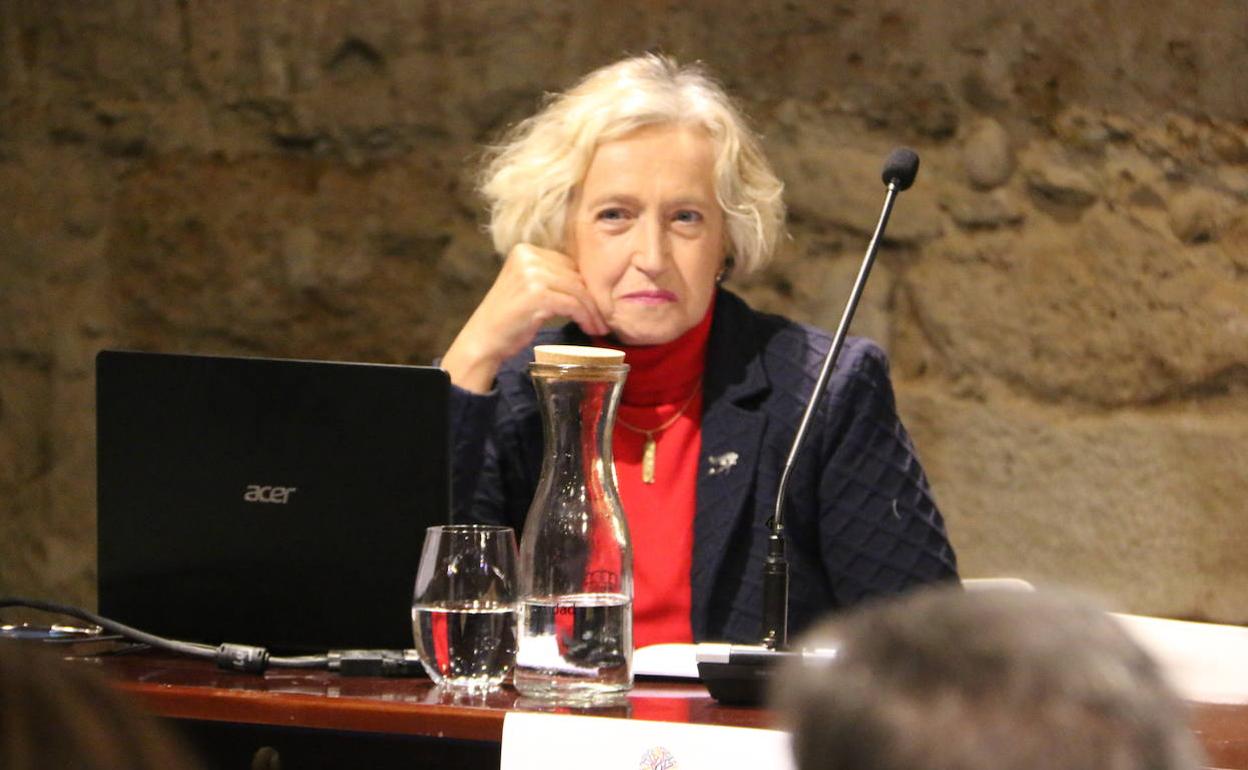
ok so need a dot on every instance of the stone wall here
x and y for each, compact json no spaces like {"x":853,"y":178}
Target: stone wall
{"x":1064,"y":293}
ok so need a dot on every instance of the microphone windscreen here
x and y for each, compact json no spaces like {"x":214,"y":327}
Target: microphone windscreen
{"x":901,"y":167}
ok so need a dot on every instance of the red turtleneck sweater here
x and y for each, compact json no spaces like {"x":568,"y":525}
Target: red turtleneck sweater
{"x":662,"y":380}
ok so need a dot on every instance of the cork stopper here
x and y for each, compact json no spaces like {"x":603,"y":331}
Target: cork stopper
{"x":577,"y":355}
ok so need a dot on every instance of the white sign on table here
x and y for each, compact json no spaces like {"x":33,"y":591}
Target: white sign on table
{"x":536,"y":741}
{"x":1205,"y":662}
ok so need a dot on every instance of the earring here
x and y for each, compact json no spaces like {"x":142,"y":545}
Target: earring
{"x":726,"y":270}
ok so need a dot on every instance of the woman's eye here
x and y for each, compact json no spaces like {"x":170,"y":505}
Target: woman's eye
{"x":688,"y":216}
{"x":612,"y":215}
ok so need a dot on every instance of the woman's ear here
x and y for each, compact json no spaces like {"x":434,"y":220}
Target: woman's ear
{"x":726,"y":270}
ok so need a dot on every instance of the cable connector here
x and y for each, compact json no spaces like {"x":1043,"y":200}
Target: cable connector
{"x":375,"y":663}
{"x":242,"y":657}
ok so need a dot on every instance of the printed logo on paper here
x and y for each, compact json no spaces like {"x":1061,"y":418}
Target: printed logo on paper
{"x":657,"y":758}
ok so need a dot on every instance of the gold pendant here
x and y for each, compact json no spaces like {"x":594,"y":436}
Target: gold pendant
{"x":647,"y":460}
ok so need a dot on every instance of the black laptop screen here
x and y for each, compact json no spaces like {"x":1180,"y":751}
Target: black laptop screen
{"x":265,"y":501}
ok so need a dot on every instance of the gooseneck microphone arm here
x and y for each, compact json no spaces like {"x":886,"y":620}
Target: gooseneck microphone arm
{"x":899,"y":172}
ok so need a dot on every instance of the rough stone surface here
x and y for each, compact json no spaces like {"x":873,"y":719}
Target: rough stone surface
{"x":983,"y":211}
{"x":1199,"y":215}
{"x":988,"y":156}
{"x":1064,"y":292}
{"x":1057,"y":499}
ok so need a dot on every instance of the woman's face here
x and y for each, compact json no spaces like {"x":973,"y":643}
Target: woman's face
{"x":647,"y":233}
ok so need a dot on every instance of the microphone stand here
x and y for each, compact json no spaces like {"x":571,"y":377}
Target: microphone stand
{"x":741,"y":675}
{"x":776,"y":567}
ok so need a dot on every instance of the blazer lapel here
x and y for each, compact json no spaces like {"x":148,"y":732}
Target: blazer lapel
{"x":731,"y":437}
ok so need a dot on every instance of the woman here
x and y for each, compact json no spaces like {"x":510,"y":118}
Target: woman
{"x":622,"y":206}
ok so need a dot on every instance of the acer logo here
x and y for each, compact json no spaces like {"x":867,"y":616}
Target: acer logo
{"x":263,"y":494}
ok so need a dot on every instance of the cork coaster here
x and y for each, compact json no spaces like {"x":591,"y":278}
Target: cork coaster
{"x":577,"y":355}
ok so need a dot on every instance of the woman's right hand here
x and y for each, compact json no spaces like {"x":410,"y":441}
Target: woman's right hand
{"x":533,"y":286}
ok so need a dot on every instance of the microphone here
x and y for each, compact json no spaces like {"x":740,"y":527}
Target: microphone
{"x":899,"y":170}
{"x":743,"y":676}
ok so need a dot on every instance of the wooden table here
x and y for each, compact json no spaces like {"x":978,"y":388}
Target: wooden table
{"x":385,"y":716}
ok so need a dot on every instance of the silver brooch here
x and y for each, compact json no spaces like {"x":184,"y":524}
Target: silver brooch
{"x":721,"y":463}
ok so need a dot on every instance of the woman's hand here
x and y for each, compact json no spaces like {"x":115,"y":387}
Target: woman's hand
{"x":533,"y":286}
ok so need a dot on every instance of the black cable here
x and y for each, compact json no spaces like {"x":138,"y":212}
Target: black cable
{"x":243,"y":657}
{"x":172,"y":645}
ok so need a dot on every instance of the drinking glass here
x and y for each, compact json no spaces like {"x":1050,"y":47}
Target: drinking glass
{"x":464,"y":605}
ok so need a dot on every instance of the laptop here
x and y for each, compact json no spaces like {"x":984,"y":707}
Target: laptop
{"x":272,"y":502}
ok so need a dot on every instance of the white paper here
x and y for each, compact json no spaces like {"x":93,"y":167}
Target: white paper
{"x":536,"y":741}
{"x":676,"y":661}
{"x":1206,"y":662}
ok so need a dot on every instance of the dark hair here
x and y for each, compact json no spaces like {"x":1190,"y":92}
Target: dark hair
{"x":55,"y":713}
{"x":993,"y":680}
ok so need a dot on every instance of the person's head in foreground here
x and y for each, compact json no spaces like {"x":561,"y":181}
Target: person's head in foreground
{"x":943,"y":679}
{"x":59,"y":714}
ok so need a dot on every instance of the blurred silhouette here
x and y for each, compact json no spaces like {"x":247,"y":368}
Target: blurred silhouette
{"x":60,"y":714}
{"x":1003,"y":680}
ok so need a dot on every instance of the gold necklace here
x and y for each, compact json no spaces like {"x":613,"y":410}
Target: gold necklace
{"x":651,"y":445}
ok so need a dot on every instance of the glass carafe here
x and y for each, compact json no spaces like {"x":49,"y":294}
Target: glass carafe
{"x":575,"y":619}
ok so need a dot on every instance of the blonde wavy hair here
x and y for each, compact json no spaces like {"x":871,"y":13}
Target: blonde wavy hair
{"x":529,"y":178}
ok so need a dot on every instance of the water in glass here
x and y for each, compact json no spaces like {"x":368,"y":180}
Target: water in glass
{"x":463,"y":607}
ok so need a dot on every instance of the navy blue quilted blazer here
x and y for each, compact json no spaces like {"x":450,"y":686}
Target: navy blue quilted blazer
{"x":861,"y":521}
